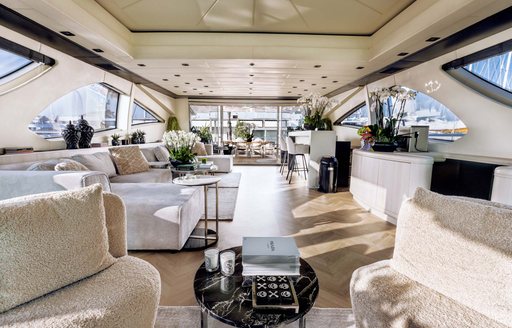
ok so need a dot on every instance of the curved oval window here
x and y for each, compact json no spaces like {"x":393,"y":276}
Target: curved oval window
{"x":11,"y":63}
{"x":96,"y":102}
{"x":496,"y":70}
{"x":424,"y":110}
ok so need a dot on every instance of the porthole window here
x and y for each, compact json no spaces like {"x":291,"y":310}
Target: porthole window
{"x":96,"y":102}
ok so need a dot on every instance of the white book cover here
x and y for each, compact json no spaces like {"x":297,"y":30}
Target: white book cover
{"x":257,"y":250}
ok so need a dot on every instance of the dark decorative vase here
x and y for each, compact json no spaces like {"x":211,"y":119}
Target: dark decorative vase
{"x":385,"y":147}
{"x":115,"y":142}
{"x":86,"y":133}
{"x":71,"y":136}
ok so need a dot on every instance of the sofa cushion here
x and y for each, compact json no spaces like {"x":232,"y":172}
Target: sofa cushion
{"x":48,"y":165}
{"x":124,"y":295}
{"x":150,"y":176}
{"x":199,"y":149}
{"x":149,"y":154}
{"x":161,"y":153}
{"x":100,"y":161}
{"x":460,"y":248}
{"x":129,"y":160}
{"x":384,"y":298}
{"x":48,"y":241}
{"x":70,"y":165}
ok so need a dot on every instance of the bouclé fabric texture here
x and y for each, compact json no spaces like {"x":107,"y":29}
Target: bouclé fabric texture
{"x":161,"y":153}
{"x":129,"y":160}
{"x":48,"y":241}
{"x":70,"y":165}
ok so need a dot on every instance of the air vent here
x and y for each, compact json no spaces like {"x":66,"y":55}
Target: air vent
{"x":108,"y":67}
{"x":391,"y":70}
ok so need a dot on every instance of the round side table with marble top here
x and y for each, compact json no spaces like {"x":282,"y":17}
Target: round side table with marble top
{"x":227,"y":300}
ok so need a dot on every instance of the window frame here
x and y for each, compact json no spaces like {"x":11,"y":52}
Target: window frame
{"x":157,"y":117}
{"x":455,"y":68}
{"x":339,"y":121}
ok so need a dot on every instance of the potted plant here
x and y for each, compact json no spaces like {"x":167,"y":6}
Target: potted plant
{"x":244,"y":131}
{"x":203,"y":133}
{"x":314,"y":107}
{"x":116,"y":139}
{"x":180,"y":145}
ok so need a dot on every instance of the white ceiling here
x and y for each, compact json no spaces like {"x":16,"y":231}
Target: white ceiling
{"x":354,"y":17}
{"x":219,"y":64}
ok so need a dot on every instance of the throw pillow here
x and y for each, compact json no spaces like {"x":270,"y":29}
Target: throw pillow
{"x":161,"y":153}
{"x":100,"y":161}
{"x":199,"y":149}
{"x":48,"y":165}
{"x":49,"y":241}
{"x":129,"y":160}
{"x":70,"y":165}
{"x":149,"y":154}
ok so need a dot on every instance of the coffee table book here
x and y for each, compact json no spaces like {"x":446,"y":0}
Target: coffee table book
{"x":270,"y":250}
{"x":270,"y":269}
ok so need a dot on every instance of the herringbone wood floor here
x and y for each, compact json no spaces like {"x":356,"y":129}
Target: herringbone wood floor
{"x":333,"y":233}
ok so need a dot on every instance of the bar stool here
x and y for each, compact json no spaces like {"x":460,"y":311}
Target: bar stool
{"x":284,"y":155}
{"x":294,"y":151}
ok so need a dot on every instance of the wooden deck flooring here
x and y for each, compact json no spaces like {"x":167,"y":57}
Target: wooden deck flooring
{"x":333,"y":233}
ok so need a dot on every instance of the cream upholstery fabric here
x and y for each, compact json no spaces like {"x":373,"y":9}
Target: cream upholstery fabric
{"x":100,"y":161}
{"x":161,"y":153}
{"x":115,"y":215}
{"x":70,"y":165}
{"x":149,"y":154}
{"x":129,"y":160}
{"x":199,"y":149}
{"x":124,"y":295}
{"x":61,"y":237}
{"x":48,"y":165}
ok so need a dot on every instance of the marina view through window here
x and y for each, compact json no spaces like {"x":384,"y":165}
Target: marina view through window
{"x":11,"y":63}
{"x":142,"y":115}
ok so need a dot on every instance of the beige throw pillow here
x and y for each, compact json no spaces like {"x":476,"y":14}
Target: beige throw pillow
{"x":48,"y":241}
{"x":48,"y":165}
{"x":129,"y":160}
{"x":70,"y":165}
{"x":199,"y":149}
{"x":161,"y":153}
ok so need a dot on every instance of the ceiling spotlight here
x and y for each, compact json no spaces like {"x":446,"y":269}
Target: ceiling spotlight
{"x":200,"y":93}
{"x":403,"y":54}
{"x":301,"y":80}
{"x":206,"y":86}
{"x":324,"y":87}
{"x":251,"y":75}
{"x":313,"y":84}
{"x":294,"y":87}
{"x":432,"y":39}
{"x":177,"y":75}
{"x":251,"y":82}
{"x":251,"y":64}
{"x":184,"y":91}
{"x":289,"y":92}
{"x":334,"y":81}
{"x":176,"y":86}
{"x":194,"y":89}
{"x":187,"y":83}
{"x":199,"y":79}
{"x":97,"y":50}
{"x":359,"y":67}
{"x":67,"y":33}
{"x":211,"y":90}
{"x":324,"y":77}
{"x":141,"y":65}
{"x":299,"y":94}
{"x":305,"y":89}
{"x":165,"y":79}
{"x":317,"y":66}
{"x":185,"y":64}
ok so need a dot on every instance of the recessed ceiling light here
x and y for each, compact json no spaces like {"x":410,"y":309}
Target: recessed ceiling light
{"x":324,"y":77}
{"x":185,"y":64}
{"x":97,"y":50}
{"x":199,"y":79}
{"x":359,"y":67}
{"x":250,"y":88}
{"x":403,"y":54}
{"x":324,"y":87}
{"x":206,"y":86}
{"x":432,"y":39}
{"x":305,"y":89}
{"x":251,"y":64}
{"x":194,"y":89}
{"x":176,"y":86}
{"x":165,"y":79}
{"x":200,"y":93}
{"x":211,"y":90}
{"x":313,"y":84}
{"x":289,"y":92}
{"x":67,"y":33}
{"x":317,"y":66}
{"x":177,"y":75}
{"x":299,"y":94}
{"x":251,"y":82}
{"x":294,"y":87}
{"x":334,"y":81}
{"x":184,"y":91}
{"x":301,"y":80}
{"x":141,"y":65}
{"x":187,"y":83}
{"x":251,"y":75}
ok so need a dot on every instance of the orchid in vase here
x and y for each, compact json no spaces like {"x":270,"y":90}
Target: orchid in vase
{"x":314,"y":107}
{"x":180,"y":145}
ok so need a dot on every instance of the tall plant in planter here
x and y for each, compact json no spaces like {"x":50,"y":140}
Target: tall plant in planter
{"x":180,"y":144}
{"x":314,"y":107}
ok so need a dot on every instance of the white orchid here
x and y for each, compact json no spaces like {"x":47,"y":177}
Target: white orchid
{"x":180,"y":144}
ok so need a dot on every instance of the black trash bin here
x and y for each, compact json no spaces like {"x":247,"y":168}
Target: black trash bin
{"x":328,"y":174}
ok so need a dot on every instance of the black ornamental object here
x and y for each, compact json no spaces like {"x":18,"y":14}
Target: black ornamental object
{"x":71,"y":136}
{"x":86,"y":133}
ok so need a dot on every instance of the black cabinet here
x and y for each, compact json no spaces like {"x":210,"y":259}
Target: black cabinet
{"x":463,"y":178}
{"x":343,"y":157}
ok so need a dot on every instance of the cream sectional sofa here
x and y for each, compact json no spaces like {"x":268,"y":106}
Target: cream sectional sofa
{"x":160,"y":215}
{"x":451,"y":267}
{"x":91,"y":282}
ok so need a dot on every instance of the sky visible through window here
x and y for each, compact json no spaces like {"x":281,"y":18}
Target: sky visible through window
{"x":496,"y":70}
{"x":10,"y":63}
{"x":141,"y":115}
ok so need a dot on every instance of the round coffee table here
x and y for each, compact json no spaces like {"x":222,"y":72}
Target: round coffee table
{"x":225,"y":299}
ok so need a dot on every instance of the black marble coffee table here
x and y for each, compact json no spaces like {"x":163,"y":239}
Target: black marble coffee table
{"x":226,"y":300}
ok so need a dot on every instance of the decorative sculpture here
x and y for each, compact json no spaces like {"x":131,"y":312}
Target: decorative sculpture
{"x":86,"y":133}
{"x":71,"y":136}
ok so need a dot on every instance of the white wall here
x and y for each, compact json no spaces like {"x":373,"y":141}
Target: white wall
{"x":19,"y":107}
{"x":489,"y":122}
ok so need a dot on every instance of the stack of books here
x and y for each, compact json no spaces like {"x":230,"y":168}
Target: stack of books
{"x":270,"y":256}
{"x":206,"y":165}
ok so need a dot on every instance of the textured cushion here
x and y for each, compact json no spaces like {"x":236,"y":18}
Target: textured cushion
{"x":199,"y":149}
{"x":48,"y":165}
{"x":97,"y":162}
{"x":129,"y":160}
{"x":150,"y":176}
{"x":149,"y":154}
{"x":48,"y":241}
{"x":460,"y":248}
{"x":161,"y":153}
{"x":384,"y":298}
{"x":124,"y":295}
{"x":70,"y":165}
